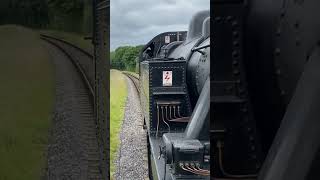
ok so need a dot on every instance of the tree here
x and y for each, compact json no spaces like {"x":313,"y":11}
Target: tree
{"x":124,"y":57}
{"x":32,"y":13}
{"x":116,"y":64}
{"x":66,"y":15}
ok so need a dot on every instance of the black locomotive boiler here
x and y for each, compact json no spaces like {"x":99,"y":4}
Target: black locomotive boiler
{"x":175,"y":98}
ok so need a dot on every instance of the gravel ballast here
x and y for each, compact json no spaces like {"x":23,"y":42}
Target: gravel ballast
{"x":132,"y":160}
{"x":72,"y":147}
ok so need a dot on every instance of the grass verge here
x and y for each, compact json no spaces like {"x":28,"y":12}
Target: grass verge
{"x":118,"y":94}
{"x":27,"y":95}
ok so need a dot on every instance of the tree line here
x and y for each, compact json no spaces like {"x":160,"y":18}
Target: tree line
{"x":66,"y":15}
{"x":125,"y":58}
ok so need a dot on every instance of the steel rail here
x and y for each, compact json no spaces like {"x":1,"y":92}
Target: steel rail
{"x":134,"y":79}
{"x":74,"y":61}
{"x":90,"y":92}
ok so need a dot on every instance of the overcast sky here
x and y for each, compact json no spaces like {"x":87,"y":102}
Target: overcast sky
{"x":135,"y":22}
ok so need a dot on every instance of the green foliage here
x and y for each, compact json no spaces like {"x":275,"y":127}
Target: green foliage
{"x":63,"y":15}
{"x":87,"y":24}
{"x":32,"y":13}
{"x":66,"y":7}
{"x":66,"y":15}
{"x":125,"y":57}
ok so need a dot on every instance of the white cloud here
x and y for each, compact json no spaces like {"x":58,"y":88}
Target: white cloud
{"x":135,"y":22}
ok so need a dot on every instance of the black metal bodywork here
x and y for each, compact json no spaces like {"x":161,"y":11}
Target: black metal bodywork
{"x":177,"y":122}
{"x":266,"y":67}
{"x":100,"y":40}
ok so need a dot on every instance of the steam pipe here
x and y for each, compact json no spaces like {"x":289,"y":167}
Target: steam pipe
{"x":201,"y":111}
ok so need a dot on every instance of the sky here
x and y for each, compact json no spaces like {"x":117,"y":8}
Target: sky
{"x":136,"y":22}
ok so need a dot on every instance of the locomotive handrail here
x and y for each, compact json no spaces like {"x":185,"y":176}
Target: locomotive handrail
{"x":200,"y":47}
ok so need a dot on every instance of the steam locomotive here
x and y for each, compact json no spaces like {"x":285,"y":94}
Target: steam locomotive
{"x":264,"y":92}
{"x":175,"y":98}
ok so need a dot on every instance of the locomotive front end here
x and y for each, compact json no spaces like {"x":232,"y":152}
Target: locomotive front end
{"x":175,"y":98}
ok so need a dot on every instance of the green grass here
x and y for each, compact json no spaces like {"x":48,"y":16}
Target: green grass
{"x":74,"y":38}
{"x":26,"y":102}
{"x":118,"y":94}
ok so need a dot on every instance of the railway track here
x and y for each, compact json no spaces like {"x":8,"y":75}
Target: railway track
{"x":77,"y":92}
{"x":144,"y":136}
{"x":82,"y":59}
{"x":134,"y":79}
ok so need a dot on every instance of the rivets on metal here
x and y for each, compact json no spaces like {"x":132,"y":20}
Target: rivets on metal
{"x":245,"y":110}
{"x":241,"y":90}
{"x":235,"y":34}
{"x":251,"y":138}
{"x":235,"y":62}
{"x":254,"y":156}
{"x":296,"y":25}
{"x":234,"y":24}
{"x":218,"y":19}
{"x":235,"y":54}
{"x":236,"y":72}
{"x":229,"y":18}
{"x":277,"y":51}
{"x":278,"y":32}
{"x":236,"y":43}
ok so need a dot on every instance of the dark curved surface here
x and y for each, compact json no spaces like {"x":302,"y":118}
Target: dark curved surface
{"x":199,"y":120}
{"x":298,"y":139}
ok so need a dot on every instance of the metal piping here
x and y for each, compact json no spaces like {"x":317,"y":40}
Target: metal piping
{"x":201,"y":111}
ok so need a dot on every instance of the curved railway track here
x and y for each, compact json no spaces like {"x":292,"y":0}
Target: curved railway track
{"x":144,"y":138}
{"x":82,"y":59}
{"x":77,"y":92}
{"x":134,"y":79}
